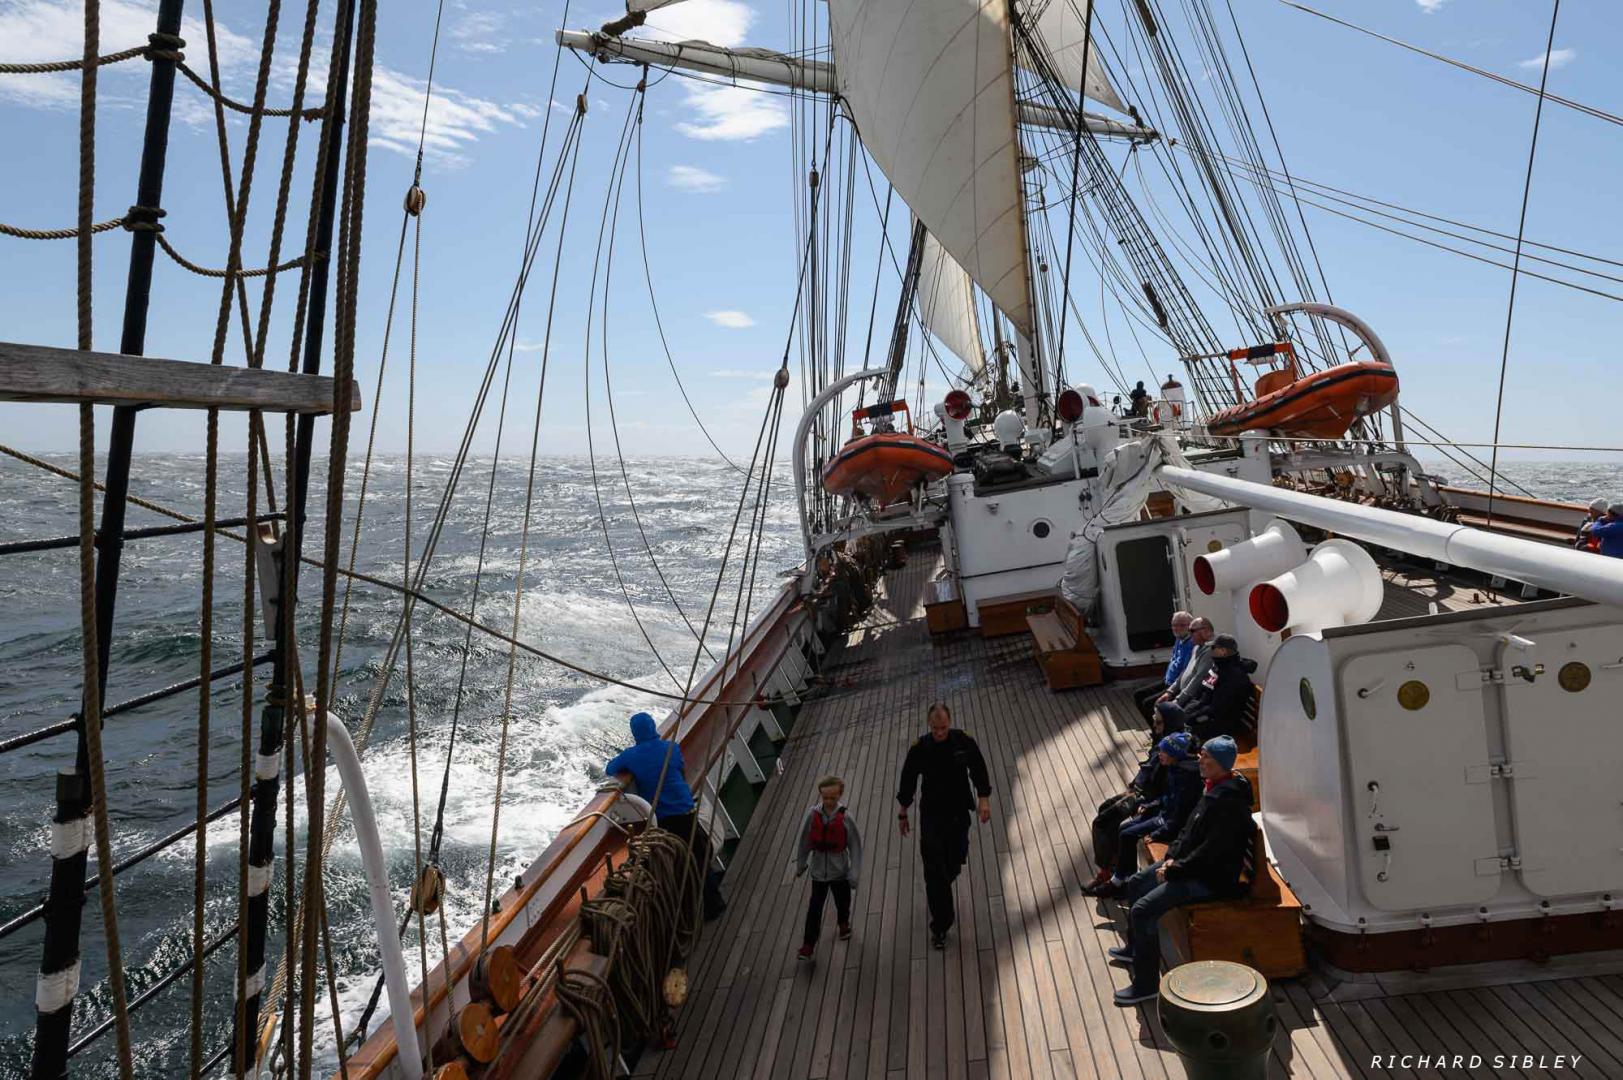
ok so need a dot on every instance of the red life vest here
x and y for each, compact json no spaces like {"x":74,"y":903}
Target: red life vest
{"x":828,"y":836}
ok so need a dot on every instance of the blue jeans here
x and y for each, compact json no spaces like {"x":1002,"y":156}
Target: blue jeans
{"x":1150,"y":899}
{"x":1127,"y":847}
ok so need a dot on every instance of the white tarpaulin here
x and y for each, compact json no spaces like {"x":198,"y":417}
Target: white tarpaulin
{"x":947,"y":305}
{"x":1063,"y":26}
{"x":931,"y":88}
{"x":1126,"y":479}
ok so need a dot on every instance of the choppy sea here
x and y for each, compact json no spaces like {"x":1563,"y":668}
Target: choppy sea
{"x":613,"y":614}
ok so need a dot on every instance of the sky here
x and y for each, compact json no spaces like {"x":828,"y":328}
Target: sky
{"x":718,"y":174}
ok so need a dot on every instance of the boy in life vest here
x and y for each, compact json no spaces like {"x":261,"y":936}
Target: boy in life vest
{"x":831,"y":848}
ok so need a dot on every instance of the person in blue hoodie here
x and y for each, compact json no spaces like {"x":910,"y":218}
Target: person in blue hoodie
{"x":660,"y":775}
{"x":1183,"y":647}
{"x":1161,"y":818}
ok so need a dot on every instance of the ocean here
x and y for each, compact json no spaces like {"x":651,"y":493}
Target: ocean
{"x":563,"y":724}
{"x":613,"y":614}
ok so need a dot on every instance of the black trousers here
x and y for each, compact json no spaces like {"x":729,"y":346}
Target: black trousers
{"x":943,"y":846}
{"x":819,"y":895}
{"x":1107,"y":827}
{"x":683,"y":825}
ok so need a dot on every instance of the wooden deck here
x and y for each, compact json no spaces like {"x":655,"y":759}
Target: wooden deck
{"x":1023,"y":989}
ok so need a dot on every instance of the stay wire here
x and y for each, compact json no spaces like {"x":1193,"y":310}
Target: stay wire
{"x":1521,"y":226}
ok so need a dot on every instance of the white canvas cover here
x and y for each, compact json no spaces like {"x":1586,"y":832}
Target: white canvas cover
{"x":946,"y":302}
{"x":931,"y":88}
{"x":1126,"y":479}
{"x":1063,"y":27}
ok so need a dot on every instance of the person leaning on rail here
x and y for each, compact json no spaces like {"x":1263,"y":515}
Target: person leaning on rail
{"x":1607,"y":532}
{"x":1581,"y":539}
{"x":656,"y":765}
{"x":1204,"y":863}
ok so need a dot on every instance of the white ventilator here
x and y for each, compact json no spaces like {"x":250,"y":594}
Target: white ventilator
{"x":1338,"y":585}
{"x":1272,"y":551}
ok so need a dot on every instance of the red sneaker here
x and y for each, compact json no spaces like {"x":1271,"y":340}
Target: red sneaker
{"x":805,"y":952}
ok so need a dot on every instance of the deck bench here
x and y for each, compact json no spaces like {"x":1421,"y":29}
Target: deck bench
{"x":1001,"y":616}
{"x":944,"y":610}
{"x":1063,"y":647}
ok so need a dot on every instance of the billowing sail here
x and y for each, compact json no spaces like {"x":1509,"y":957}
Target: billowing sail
{"x":947,"y":305}
{"x":1063,"y":26}
{"x":930,"y":86}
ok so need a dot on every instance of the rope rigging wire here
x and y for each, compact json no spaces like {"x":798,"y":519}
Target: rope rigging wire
{"x":1521,"y":226}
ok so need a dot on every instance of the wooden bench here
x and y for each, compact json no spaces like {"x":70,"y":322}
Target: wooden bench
{"x":1248,"y":762}
{"x":1262,"y":929}
{"x":1064,"y":649}
{"x":944,"y":612}
{"x":1004,"y":615}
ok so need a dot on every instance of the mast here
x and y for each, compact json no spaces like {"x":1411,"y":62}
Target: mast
{"x":1028,"y":346}
{"x":904,"y":309}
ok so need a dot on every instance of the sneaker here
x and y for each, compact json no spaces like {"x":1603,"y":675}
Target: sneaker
{"x":805,"y":952}
{"x":1120,"y":954}
{"x":1108,"y":891}
{"x":938,"y":941}
{"x":845,"y":932}
{"x":1128,"y":996}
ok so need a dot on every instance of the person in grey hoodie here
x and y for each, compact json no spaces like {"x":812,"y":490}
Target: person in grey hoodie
{"x":831,"y":848}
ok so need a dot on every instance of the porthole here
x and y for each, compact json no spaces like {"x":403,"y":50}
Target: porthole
{"x":1040,"y":529}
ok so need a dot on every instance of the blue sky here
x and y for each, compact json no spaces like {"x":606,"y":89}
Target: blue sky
{"x":1350,"y":111}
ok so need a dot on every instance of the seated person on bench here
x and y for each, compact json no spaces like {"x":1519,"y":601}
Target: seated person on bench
{"x":1216,"y":705}
{"x":1204,"y":863}
{"x":1162,"y":818}
{"x":1183,"y":648}
{"x":1147,"y":785}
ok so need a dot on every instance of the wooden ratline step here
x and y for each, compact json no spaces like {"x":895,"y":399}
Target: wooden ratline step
{"x":43,"y":373}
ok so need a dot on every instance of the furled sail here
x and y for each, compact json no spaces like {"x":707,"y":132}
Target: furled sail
{"x":930,"y":86}
{"x":1063,"y":27}
{"x":947,"y":305}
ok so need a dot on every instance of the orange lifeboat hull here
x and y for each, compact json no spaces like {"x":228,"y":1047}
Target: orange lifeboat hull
{"x":1322,"y":405}
{"x":885,"y":466}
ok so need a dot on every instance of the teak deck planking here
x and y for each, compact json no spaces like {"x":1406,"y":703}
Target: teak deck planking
{"x":1023,"y":988}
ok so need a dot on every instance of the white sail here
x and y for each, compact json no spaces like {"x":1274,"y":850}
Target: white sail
{"x":1063,"y":27}
{"x":930,"y":86}
{"x":947,"y":305}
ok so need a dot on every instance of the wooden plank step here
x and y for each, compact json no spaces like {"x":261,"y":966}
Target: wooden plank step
{"x":43,"y":373}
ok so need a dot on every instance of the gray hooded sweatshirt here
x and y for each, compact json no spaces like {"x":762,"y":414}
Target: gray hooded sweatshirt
{"x":830,"y":865}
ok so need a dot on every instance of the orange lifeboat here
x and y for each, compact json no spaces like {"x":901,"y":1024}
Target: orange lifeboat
{"x":1322,"y":405}
{"x":885,"y":465}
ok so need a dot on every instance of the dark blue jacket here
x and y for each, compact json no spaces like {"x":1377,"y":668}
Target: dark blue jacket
{"x":1183,"y":790}
{"x":1610,"y":531}
{"x":644,"y":762}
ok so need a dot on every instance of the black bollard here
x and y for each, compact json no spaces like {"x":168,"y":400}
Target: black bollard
{"x":1219,"y":1018}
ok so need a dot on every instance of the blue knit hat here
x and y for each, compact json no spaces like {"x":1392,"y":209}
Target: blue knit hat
{"x":1222,"y":750}
{"x":1177,"y":746}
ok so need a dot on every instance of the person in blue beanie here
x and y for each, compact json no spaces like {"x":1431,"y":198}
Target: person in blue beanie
{"x":660,"y":775}
{"x":1161,"y":818}
{"x":1205,"y":862}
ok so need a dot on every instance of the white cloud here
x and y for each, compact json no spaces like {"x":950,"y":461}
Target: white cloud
{"x":36,"y":30}
{"x":1429,"y":6}
{"x":732,"y":320}
{"x":720,"y":22}
{"x":480,"y":32}
{"x":731,"y":113}
{"x":741,"y":373}
{"x":694,"y":179}
{"x":1559,"y":58}
{"x":33,"y":31}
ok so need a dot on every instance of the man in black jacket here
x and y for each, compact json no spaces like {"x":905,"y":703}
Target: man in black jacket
{"x":1204,"y":863}
{"x":955,"y":782}
{"x":1218,"y":703}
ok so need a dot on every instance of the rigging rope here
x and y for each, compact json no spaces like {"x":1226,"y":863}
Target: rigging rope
{"x":1521,"y":225}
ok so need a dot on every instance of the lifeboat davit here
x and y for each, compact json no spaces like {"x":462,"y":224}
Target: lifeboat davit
{"x":1322,"y":405}
{"x":885,"y":466}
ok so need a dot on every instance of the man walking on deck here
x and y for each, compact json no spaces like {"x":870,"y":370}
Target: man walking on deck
{"x":955,"y":783}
